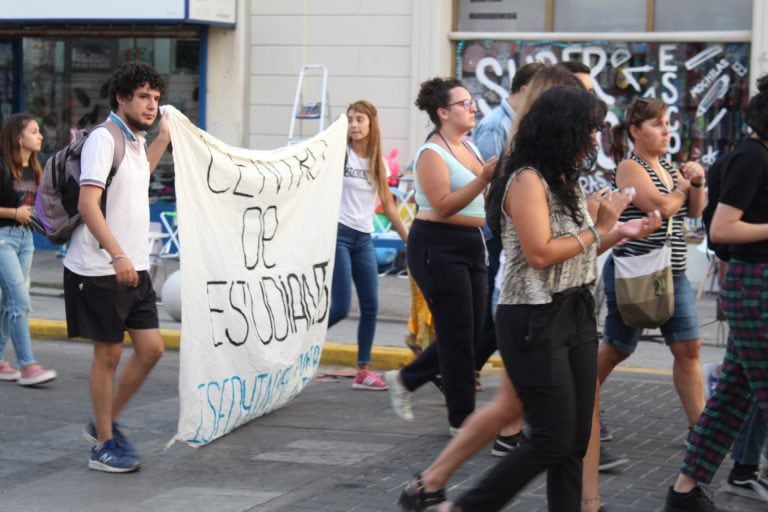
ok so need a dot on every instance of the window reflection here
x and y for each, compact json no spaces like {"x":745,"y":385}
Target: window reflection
{"x":66,"y":85}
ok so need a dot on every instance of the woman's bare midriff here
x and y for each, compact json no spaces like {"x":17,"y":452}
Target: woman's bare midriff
{"x":458,"y":220}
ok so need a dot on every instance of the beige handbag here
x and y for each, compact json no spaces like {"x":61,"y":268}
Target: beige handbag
{"x":645,"y":290}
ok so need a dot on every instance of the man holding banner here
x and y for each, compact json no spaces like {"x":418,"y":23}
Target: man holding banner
{"x":106,"y":281}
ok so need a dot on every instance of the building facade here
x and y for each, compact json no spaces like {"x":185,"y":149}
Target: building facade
{"x":232,"y":66}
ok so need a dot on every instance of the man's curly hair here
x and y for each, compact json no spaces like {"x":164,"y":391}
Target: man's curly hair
{"x":130,"y":76}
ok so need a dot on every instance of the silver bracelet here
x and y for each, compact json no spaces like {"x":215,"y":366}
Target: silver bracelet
{"x":593,"y":229}
{"x":581,"y":242}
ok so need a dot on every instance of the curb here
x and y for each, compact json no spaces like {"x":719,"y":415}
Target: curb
{"x":334,"y":353}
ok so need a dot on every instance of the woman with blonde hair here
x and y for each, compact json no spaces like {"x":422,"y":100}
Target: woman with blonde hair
{"x":20,"y":171}
{"x":365,"y":180}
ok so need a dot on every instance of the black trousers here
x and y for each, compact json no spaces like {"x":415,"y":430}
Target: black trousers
{"x":487,"y":344}
{"x":550,"y":353}
{"x":448,"y":264}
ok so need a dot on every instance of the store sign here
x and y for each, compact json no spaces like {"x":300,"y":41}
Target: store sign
{"x":502,"y":15}
{"x":191,"y":11}
{"x":704,"y":84}
{"x":213,"y":11}
{"x":258,"y":238}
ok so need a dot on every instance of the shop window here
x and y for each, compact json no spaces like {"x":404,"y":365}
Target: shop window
{"x":703,"y":15}
{"x":6,"y":80}
{"x":705,"y":85}
{"x":67,"y":86}
{"x":600,"y":16}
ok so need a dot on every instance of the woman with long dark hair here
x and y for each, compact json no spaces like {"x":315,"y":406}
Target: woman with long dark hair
{"x":545,"y":323}
{"x":446,"y":251}
{"x":365,"y":180}
{"x":20,"y":171}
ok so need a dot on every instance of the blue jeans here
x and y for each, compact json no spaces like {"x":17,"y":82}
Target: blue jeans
{"x":751,"y":439}
{"x":16,"y":249}
{"x":356,"y":261}
{"x":683,"y":326}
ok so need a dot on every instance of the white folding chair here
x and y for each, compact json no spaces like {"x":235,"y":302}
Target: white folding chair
{"x":172,"y":246}
{"x":156,"y":237}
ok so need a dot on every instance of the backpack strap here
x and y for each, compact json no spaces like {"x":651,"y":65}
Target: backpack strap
{"x":117,"y":135}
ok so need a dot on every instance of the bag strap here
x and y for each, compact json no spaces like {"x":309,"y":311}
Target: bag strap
{"x":117,"y":157}
{"x":667,"y":167}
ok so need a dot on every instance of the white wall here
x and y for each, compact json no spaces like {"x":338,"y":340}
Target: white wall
{"x":226,"y":88}
{"x":759,"y":61}
{"x":371,"y":48}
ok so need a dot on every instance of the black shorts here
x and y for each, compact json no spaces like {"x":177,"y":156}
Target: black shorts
{"x":98,"y":308}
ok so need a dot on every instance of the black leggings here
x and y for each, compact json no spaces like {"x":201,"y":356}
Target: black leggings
{"x":550,"y":353}
{"x":448,"y":264}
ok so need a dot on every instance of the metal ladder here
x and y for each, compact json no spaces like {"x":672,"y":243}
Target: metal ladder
{"x":317,"y":110}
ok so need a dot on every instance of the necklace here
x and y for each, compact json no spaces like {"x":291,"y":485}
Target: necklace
{"x":665,"y":176}
{"x":454,"y":154}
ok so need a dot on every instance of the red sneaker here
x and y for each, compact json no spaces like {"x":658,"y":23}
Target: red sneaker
{"x":34,"y":375}
{"x":368,"y":380}
{"x":8,"y":373}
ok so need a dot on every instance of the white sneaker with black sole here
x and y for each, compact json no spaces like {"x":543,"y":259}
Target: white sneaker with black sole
{"x":748,"y":487}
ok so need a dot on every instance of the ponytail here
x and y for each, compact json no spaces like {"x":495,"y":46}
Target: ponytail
{"x":619,"y":142}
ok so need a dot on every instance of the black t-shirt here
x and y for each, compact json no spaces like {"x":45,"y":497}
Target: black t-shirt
{"x":745,"y":186}
{"x":15,"y":193}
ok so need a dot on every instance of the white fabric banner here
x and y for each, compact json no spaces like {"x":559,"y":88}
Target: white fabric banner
{"x":258,"y":236}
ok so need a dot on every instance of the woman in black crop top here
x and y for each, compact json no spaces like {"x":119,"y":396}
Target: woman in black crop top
{"x":20,"y":142}
{"x":740,"y":219}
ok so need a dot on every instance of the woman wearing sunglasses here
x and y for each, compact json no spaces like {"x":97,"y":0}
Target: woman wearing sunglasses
{"x":446,"y":252}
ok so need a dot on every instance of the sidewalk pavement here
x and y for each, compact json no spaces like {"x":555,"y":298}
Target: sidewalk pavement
{"x":389,"y":350}
{"x":331,"y":449}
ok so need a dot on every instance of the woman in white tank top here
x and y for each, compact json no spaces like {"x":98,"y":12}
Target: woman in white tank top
{"x":365,"y":180}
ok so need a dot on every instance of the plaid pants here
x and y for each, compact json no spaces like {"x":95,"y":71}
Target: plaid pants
{"x":744,"y":375}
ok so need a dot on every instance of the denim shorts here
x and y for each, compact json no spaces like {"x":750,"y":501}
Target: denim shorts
{"x":683,"y":326}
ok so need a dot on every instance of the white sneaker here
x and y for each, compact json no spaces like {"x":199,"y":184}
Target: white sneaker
{"x":711,"y":374}
{"x":399,"y":396}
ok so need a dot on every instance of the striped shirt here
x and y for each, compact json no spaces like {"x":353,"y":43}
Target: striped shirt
{"x":656,"y":239}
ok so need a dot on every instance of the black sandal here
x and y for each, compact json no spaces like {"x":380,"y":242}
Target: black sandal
{"x":416,"y":499}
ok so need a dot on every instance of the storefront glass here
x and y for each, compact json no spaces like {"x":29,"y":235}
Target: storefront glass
{"x":6,"y":80}
{"x":66,"y":85}
{"x":704,"y":84}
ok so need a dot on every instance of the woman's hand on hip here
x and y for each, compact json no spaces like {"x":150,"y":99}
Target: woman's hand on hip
{"x":24,"y":214}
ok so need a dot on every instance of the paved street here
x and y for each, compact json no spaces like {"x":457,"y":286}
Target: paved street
{"x":332,"y":448}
